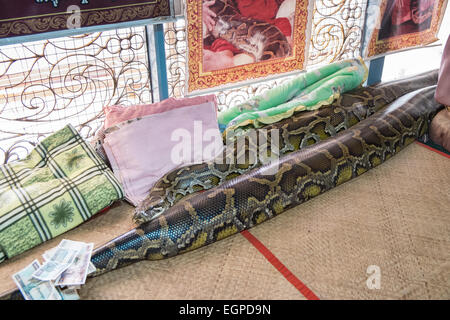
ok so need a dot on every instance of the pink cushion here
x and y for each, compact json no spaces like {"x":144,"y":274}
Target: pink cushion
{"x":117,"y":114}
{"x":443,"y":86}
{"x":143,"y":150}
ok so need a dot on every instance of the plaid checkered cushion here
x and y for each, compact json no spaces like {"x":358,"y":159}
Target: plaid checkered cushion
{"x":59,"y":185}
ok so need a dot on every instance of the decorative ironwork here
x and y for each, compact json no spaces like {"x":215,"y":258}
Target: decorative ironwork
{"x":336,"y":30}
{"x":231,"y":97}
{"x":47,"y":84}
{"x":176,"y":51}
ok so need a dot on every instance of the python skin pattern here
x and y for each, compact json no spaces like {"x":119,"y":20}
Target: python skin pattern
{"x":256,"y":196}
{"x":297,"y":132}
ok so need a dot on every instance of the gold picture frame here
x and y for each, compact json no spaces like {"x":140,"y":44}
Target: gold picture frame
{"x":200,"y":80}
{"x":381,"y":45}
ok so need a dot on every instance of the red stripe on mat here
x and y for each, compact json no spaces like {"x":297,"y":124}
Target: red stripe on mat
{"x":300,"y":286}
{"x":433,"y":149}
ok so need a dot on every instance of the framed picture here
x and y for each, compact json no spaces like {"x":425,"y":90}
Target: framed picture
{"x":235,"y":41}
{"x":403,"y":24}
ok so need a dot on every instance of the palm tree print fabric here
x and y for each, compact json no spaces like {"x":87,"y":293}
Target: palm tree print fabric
{"x":62,"y":214}
{"x":59,"y":185}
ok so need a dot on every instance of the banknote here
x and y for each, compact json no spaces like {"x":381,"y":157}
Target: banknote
{"x":91,"y":268}
{"x":33,"y":289}
{"x":77,"y":272}
{"x":71,"y":244}
{"x":74,"y":287}
{"x":47,"y":254}
{"x":69,"y":294}
{"x":65,"y":243}
{"x":57,"y":263}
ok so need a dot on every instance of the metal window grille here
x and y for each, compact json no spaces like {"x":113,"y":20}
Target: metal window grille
{"x":47,"y":84}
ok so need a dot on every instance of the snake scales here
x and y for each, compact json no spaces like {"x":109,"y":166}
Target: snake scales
{"x":250,"y":199}
{"x":296,"y":132}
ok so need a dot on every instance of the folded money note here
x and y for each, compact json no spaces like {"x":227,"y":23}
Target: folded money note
{"x":57,"y":263}
{"x":91,"y":268}
{"x":66,"y":265}
{"x":77,"y":272}
{"x":34,"y":289}
{"x":69,"y":294}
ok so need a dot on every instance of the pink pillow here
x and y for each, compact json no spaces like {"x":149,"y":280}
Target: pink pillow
{"x":143,"y":150}
{"x":442,"y":94}
{"x":117,"y":114}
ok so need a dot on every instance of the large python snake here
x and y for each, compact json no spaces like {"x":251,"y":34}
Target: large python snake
{"x":250,"y":199}
{"x":299,"y":131}
{"x":254,"y":197}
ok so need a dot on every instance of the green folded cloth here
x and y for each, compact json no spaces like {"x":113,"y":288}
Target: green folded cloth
{"x":308,"y":91}
{"x":58,"y":186}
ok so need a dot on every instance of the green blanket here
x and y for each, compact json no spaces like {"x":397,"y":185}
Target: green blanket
{"x":308,"y":91}
{"x":60,"y":184}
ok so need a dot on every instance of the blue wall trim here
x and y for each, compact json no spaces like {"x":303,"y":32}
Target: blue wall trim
{"x":375,"y":71}
{"x":161,"y":61}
